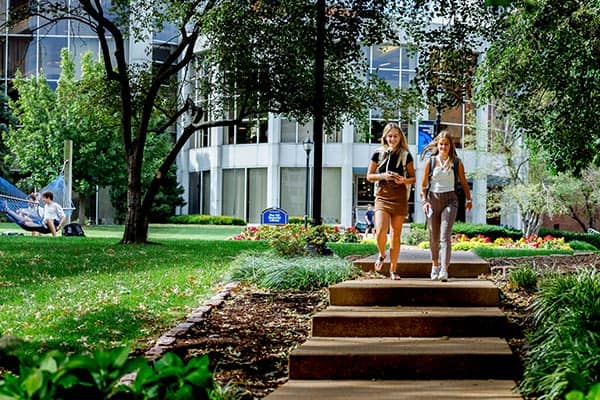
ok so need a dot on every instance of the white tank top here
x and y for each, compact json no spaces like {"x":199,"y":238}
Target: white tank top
{"x":442,"y":179}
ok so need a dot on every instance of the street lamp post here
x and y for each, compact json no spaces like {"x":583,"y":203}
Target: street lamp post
{"x":308,"y":146}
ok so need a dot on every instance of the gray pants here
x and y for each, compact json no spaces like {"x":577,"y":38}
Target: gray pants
{"x":445,"y":206}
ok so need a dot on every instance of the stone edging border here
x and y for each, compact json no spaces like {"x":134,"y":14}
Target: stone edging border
{"x":167,"y":341}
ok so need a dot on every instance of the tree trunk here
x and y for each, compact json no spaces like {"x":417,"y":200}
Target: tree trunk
{"x":83,"y":202}
{"x":531,"y":223}
{"x":136,"y":219}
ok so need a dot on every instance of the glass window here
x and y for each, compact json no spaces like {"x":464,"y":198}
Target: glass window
{"x":391,"y":77}
{"x":305,"y":131}
{"x":206,"y":192}
{"x":49,"y":27}
{"x":193,"y":193}
{"x":293,"y":190}
{"x":2,"y":11}
{"x":78,"y":47}
{"x":50,"y":56}
{"x":331,"y":195}
{"x":161,"y":51}
{"x":26,"y":26}
{"x":257,"y":193}
{"x":288,"y":131}
{"x":169,"y":33}
{"x":386,"y":56}
{"x":233,"y":197}
{"x":21,"y":55}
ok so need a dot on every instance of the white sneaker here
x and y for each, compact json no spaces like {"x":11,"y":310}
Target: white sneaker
{"x":443,"y":275}
{"x":435,"y":272}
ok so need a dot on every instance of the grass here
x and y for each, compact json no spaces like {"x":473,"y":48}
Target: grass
{"x":492,"y":252}
{"x":78,"y":294}
{"x":155,"y":231}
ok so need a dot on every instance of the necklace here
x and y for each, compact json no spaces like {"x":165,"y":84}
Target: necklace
{"x":444,"y":162}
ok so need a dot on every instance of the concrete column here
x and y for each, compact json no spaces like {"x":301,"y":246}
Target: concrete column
{"x":347,"y":176}
{"x":216,"y":171}
{"x":273,"y":167}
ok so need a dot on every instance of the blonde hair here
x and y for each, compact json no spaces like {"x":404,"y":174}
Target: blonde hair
{"x":432,"y":146}
{"x":402,"y":144}
{"x":387,"y":150}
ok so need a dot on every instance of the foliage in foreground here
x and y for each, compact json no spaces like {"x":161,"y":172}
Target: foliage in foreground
{"x":98,"y":376}
{"x":593,"y":394}
{"x":565,"y":337}
{"x":270,"y":271}
{"x":525,"y":278}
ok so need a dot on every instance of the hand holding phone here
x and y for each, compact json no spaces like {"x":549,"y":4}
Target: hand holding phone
{"x":428,"y":210}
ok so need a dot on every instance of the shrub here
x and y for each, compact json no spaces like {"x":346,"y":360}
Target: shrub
{"x":593,"y":394}
{"x":590,"y":238}
{"x":416,"y":235}
{"x":565,"y":338}
{"x":199,"y":219}
{"x":579,"y":245}
{"x":353,"y":249}
{"x":269,"y":271}
{"x":525,"y":278}
{"x":98,"y":375}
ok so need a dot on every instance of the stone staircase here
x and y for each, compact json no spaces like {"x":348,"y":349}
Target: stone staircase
{"x":407,"y":339}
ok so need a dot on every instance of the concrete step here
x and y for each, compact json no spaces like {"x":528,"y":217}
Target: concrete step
{"x":396,"y":390}
{"x":403,"y":358}
{"x":415,"y":292}
{"x":338,"y":321}
{"x":417,"y":263}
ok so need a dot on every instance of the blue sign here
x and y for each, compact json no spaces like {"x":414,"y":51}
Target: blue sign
{"x":426,"y":133}
{"x":274,"y":216}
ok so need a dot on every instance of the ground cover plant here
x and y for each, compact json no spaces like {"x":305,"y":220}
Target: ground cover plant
{"x":565,"y":336}
{"x":80,"y":294}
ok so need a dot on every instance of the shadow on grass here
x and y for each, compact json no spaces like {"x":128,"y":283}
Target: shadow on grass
{"x":109,"y":327}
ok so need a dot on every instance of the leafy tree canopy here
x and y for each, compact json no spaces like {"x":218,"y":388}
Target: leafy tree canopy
{"x":544,"y":73}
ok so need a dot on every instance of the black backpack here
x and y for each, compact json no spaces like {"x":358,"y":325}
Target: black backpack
{"x":73,"y":230}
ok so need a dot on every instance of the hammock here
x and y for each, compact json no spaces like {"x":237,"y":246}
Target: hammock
{"x":24,"y":212}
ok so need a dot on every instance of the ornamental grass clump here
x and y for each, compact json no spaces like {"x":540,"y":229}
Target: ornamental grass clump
{"x":564,"y":341}
{"x":268,"y":270}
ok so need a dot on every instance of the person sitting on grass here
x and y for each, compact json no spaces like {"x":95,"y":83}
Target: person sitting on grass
{"x":54,"y":216}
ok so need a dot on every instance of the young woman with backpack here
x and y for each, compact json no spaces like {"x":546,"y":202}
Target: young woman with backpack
{"x":442,"y":176}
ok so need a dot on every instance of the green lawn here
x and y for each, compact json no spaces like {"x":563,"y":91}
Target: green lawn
{"x":156,"y":232}
{"x":86,"y":293}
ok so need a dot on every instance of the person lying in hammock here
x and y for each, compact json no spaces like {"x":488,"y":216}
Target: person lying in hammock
{"x":29,"y":221}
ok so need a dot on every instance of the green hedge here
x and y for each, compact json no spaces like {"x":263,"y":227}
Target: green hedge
{"x":590,"y":238}
{"x":199,"y":219}
{"x":498,"y":252}
{"x":472,"y":230}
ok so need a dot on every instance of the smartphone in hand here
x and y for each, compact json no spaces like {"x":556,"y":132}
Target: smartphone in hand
{"x":429,"y":212}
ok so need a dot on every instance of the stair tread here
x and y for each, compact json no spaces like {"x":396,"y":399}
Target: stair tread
{"x":328,"y":346}
{"x":497,"y":389}
{"x":415,"y":283}
{"x":406,"y":311}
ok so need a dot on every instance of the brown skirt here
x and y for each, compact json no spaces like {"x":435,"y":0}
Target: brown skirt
{"x":391,"y":198}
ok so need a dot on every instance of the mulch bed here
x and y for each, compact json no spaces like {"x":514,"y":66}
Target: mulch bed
{"x":249,"y":337}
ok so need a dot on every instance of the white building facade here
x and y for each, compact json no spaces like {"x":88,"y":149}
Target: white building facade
{"x":243,"y":170}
